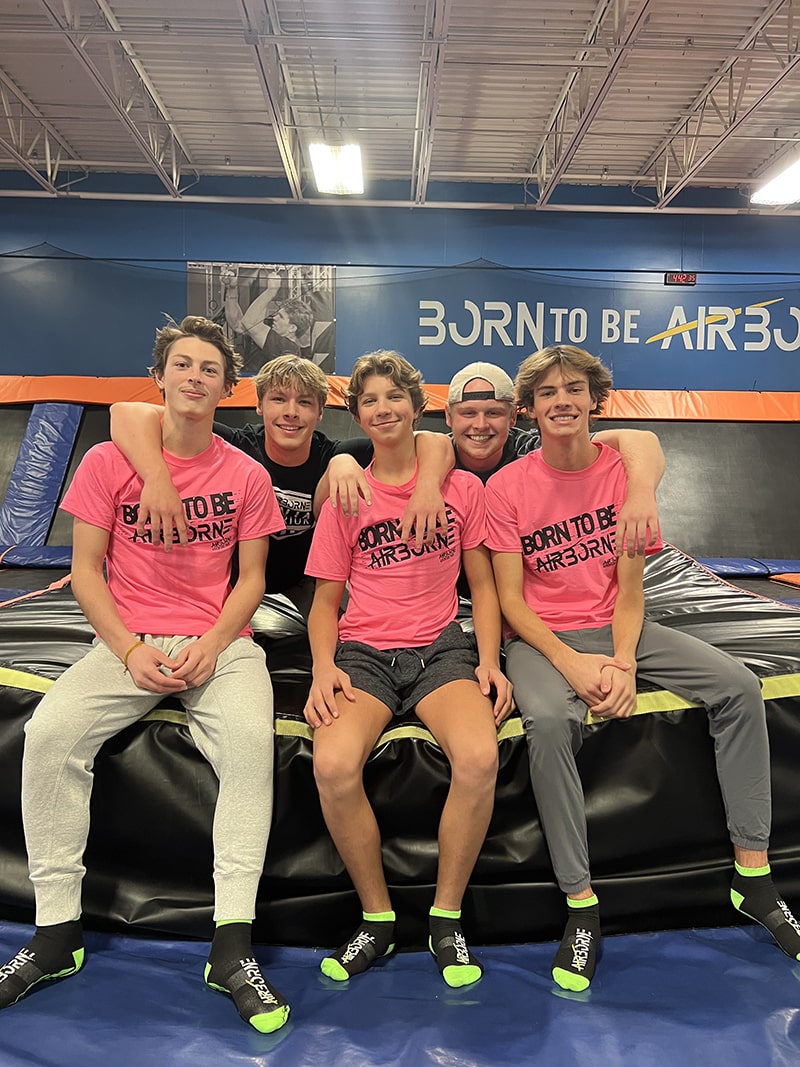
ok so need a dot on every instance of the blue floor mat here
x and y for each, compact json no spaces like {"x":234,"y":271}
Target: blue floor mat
{"x":696,"y":998}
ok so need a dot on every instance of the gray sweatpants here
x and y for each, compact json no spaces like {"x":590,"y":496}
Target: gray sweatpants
{"x":230,"y":720}
{"x":553,"y":717}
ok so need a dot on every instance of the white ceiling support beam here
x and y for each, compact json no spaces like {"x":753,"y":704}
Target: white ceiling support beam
{"x":30,"y":136}
{"x":257,"y":22}
{"x":164,"y":117}
{"x":459,"y":205}
{"x":430,"y":79}
{"x":588,"y":106}
{"x":740,"y":58}
{"x":696,"y":167}
{"x":70,"y":37}
{"x":539,"y":165}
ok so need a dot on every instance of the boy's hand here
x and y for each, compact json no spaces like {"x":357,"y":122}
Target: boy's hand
{"x":492,"y":678}
{"x":347,"y":482}
{"x":196,"y":662}
{"x":584,"y":672}
{"x":145,"y":663}
{"x":637,"y":526}
{"x":320,"y":708}
{"x":425,"y":514}
{"x":163,"y":508}
{"x":620,"y":701}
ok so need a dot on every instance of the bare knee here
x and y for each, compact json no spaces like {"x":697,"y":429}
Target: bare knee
{"x":336,"y":771}
{"x":474,"y":765}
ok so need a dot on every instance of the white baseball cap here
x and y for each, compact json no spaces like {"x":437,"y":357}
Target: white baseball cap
{"x":502,"y":386}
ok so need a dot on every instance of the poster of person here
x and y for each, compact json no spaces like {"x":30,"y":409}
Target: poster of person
{"x":268,"y":309}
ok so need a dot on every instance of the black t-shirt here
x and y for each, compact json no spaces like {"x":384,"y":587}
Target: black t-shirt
{"x":294,"y":488}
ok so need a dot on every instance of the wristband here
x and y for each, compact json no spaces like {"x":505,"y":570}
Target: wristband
{"x":125,"y":657}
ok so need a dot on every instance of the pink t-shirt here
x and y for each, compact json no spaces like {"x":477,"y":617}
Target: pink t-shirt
{"x":227,"y":497}
{"x":400,"y":596}
{"x":562,"y":523}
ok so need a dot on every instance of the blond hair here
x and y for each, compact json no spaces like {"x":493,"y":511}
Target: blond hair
{"x":296,"y":372}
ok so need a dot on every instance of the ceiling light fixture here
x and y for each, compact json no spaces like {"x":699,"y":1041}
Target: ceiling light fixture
{"x":784,"y":188}
{"x":337,"y":168}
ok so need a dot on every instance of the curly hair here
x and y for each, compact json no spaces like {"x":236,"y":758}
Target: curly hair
{"x":387,"y":364}
{"x":566,"y":357}
{"x":205,"y":330}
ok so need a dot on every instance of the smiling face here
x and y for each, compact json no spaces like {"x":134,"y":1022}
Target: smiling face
{"x":385,"y":410}
{"x":480,"y":427}
{"x":291,"y":413}
{"x":563,"y":403}
{"x":193,"y":379}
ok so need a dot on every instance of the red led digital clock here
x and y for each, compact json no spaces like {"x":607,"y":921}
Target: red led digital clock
{"x":680,"y":277}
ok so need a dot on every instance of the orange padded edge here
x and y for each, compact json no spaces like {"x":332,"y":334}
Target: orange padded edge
{"x":789,"y":579}
{"x":645,"y":404}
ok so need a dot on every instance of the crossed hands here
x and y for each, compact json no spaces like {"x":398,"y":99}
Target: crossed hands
{"x":606,"y":684}
{"x":153,"y":670}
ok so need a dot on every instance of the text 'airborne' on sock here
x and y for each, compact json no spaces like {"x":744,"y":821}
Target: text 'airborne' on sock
{"x":233,"y":969}
{"x":456,"y":963}
{"x":53,"y":952}
{"x":374,"y":938}
{"x":754,"y":895}
{"x":576,"y":958}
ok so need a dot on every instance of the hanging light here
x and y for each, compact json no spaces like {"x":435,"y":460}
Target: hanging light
{"x":784,"y":188}
{"x":337,"y":168}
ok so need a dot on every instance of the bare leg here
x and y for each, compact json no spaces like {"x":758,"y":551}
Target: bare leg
{"x":462,"y":721}
{"x":340,"y":752}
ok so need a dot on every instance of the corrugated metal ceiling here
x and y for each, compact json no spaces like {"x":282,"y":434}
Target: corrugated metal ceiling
{"x":464,"y":102}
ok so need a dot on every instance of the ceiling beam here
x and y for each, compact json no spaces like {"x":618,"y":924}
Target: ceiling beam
{"x":588,"y":111}
{"x":695,"y":113}
{"x":430,"y":80}
{"x":256,"y":21}
{"x":70,"y":38}
{"x":730,"y":130}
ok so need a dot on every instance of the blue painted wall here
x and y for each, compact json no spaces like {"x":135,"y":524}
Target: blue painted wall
{"x":129,"y":261}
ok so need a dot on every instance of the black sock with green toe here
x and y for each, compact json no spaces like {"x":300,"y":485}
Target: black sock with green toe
{"x":456,"y":963}
{"x":53,"y":952}
{"x":233,"y":969}
{"x":575,"y":960}
{"x":374,"y":938}
{"x":754,"y":895}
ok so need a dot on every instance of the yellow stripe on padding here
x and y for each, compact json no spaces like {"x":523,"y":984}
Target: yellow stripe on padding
{"x":34,"y":683}
{"x":774,"y":688}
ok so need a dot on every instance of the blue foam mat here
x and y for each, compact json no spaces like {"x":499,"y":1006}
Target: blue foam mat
{"x":698,"y":998}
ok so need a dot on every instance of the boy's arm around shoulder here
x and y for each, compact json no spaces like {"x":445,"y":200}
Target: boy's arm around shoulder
{"x":643,"y":459}
{"x":136,"y":431}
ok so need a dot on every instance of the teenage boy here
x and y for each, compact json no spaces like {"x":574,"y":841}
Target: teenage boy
{"x":165,"y":624}
{"x":291,"y":393}
{"x":578,"y":639}
{"x":398,"y":648}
